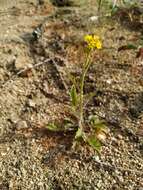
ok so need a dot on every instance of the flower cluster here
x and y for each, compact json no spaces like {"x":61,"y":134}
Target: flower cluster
{"x":93,"y":42}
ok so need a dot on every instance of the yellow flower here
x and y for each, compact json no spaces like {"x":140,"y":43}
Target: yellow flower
{"x":99,"y":45}
{"x":93,"y":41}
{"x":88,"y":38}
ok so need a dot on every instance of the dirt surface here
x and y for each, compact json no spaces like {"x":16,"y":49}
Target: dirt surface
{"x":34,"y":91}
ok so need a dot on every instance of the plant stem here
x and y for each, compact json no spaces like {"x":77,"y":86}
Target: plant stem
{"x":84,"y":71}
{"x":99,"y":6}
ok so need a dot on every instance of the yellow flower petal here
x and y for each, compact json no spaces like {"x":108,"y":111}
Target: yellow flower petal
{"x":88,"y":38}
{"x":93,"y":41}
{"x":99,"y":45}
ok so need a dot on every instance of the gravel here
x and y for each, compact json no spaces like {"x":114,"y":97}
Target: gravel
{"x":32,"y":158}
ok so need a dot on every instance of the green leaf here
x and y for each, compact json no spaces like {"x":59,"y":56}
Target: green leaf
{"x":114,"y":10}
{"x":67,"y":120}
{"x":127,"y":47}
{"x":74,"y":96}
{"x":131,"y":46}
{"x":98,"y":124}
{"x":95,"y":143}
{"x":101,"y":127}
{"x":94,"y":120}
{"x":68,"y":124}
{"x":52,"y":127}
{"x":79,"y":133}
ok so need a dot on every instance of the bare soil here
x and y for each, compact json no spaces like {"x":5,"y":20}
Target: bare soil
{"x":34,"y":91}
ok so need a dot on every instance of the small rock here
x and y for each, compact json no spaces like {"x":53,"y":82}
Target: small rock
{"x":21,"y":125}
{"x":99,"y":184}
{"x":109,"y":81}
{"x":21,"y":62}
{"x":120,"y":137}
{"x":117,"y":172}
{"x":93,"y":18}
{"x":31,"y":103}
{"x":14,"y":118}
{"x":96,"y":158}
{"x":121,"y":179}
{"x":101,"y":136}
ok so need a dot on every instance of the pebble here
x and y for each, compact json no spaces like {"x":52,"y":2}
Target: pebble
{"x":28,"y":153}
{"x":99,"y":184}
{"x":31,"y":103}
{"x":21,"y":125}
{"x":120,"y":137}
{"x":109,"y":81}
{"x":14,"y":118}
{"x":93,"y":18}
{"x":96,"y":158}
{"x":20,"y":63}
{"x":121,"y":179}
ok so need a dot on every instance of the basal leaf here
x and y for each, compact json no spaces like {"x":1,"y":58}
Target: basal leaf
{"x":52,"y":127}
{"x":131,"y":46}
{"x":127,"y":47}
{"x":97,"y":124}
{"x":95,"y":143}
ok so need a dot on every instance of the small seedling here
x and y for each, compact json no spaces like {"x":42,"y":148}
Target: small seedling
{"x":94,"y":131}
{"x":97,"y":129}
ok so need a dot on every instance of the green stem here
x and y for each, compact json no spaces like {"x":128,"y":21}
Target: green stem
{"x":85,"y":69}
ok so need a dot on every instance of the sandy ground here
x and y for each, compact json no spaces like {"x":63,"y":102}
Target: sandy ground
{"x":31,"y":157}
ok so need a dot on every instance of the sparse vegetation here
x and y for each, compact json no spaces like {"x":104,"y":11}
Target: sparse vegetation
{"x":95,"y":130}
{"x":78,"y":98}
{"x":110,"y":7}
{"x":71,"y":107}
